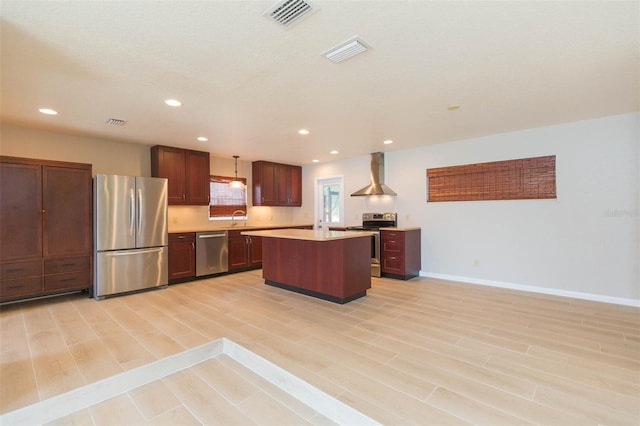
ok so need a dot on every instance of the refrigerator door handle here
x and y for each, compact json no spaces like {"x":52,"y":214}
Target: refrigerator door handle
{"x":133,"y":252}
{"x":132,"y":212}
{"x":140,"y":212}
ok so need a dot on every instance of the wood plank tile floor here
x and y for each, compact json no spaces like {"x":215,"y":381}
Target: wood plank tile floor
{"x":424,"y":351}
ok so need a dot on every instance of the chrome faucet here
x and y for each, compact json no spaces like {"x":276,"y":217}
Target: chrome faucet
{"x":233,"y":216}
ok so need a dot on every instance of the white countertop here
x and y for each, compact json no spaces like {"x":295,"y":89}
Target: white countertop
{"x":307,"y":234}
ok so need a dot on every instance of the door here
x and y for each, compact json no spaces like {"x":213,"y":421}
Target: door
{"x":129,"y":270}
{"x":114,"y":212}
{"x":20,"y":211}
{"x":66,"y":194}
{"x":329,"y":201}
{"x":151,"y":216}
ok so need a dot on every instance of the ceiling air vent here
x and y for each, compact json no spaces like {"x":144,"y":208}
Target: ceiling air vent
{"x":346,"y":50}
{"x":288,"y":11}
{"x":116,"y":122}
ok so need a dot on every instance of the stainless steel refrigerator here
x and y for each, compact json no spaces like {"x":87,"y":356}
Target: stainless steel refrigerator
{"x":131,"y":234}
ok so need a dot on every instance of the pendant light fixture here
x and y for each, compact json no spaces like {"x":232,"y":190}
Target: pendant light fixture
{"x":238,"y":184}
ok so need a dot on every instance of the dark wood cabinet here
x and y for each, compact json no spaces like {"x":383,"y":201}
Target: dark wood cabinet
{"x":182,"y":256}
{"x":276,"y":184}
{"x":244,"y":252}
{"x":46,"y":227}
{"x":400,"y":254}
{"x":187,"y":172}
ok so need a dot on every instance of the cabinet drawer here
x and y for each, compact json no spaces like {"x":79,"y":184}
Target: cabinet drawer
{"x":392,"y":236}
{"x":183,"y":237}
{"x":20,"y":287}
{"x":10,"y":271}
{"x":393,"y":263}
{"x":67,"y":281}
{"x":67,"y":264}
{"x":392,"y":246}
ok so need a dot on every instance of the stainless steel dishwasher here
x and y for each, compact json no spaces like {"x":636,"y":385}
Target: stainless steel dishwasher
{"x":212,"y":253}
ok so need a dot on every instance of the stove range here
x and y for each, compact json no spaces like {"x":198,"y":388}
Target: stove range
{"x":372,"y":222}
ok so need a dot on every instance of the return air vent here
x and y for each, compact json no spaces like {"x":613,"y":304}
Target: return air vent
{"x":115,"y":122}
{"x":346,"y":50}
{"x":287,"y":12}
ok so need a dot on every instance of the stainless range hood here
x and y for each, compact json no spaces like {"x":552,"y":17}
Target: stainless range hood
{"x":377,"y":186}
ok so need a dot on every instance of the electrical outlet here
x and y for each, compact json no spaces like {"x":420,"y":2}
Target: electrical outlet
{"x":258,"y":218}
{"x":476,"y":263}
{"x":174,"y":220}
{"x":407,"y":217}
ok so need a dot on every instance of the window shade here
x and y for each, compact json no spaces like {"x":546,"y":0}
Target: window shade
{"x":526,"y":178}
{"x":225,"y":200}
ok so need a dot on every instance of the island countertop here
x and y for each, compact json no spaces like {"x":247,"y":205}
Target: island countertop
{"x":307,"y":234}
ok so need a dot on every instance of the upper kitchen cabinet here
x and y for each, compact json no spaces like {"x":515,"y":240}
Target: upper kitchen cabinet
{"x":187,"y":172}
{"x":276,"y":184}
{"x":46,"y":227}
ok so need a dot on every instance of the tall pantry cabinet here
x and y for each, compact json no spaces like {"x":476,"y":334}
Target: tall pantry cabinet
{"x":46,"y":236}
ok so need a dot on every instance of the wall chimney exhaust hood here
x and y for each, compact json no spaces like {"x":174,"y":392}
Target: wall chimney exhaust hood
{"x":377,"y":186}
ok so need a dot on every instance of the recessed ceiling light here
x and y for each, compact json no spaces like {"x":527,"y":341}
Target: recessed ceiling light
{"x":48,"y":111}
{"x":303,"y":131}
{"x":202,"y":139}
{"x":173,"y":102}
{"x":315,"y":161}
{"x":333,"y":152}
{"x":453,"y":107}
{"x":388,"y":142}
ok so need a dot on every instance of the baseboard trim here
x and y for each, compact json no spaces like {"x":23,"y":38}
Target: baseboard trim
{"x":534,"y":289}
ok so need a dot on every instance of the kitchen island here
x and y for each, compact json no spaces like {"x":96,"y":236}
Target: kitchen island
{"x":330,"y":265}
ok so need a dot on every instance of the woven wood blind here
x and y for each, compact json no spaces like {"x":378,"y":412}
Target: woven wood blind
{"x":225,"y":200}
{"x":526,"y":178}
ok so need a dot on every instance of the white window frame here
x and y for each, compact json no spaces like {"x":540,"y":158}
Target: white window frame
{"x":318,"y":206}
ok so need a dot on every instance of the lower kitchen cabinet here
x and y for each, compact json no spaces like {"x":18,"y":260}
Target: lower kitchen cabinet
{"x":182,"y":256}
{"x":244,"y":252}
{"x":400,"y":254}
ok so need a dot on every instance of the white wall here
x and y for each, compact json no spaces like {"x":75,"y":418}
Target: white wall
{"x":106,"y":156}
{"x":585,"y":242}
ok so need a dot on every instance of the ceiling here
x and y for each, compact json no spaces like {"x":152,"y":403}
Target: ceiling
{"x":249,"y":84}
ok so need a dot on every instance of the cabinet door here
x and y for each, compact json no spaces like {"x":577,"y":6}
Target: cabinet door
{"x":182,"y":256}
{"x":67,"y":207}
{"x":238,"y":252}
{"x":170,"y":163}
{"x":283,"y":183}
{"x":295,"y":186}
{"x":20,"y":211}
{"x":255,"y":251}
{"x":264,"y":183}
{"x":197,"y":178}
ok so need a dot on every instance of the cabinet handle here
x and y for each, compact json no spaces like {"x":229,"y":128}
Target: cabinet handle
{"x":13,"y":287}
{"x":182,"y":237}
{"x":15,"y":270}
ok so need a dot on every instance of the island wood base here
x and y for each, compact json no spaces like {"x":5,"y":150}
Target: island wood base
{"x":335,"y":270}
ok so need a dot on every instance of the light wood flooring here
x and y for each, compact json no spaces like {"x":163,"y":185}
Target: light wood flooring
{"x":422,"y":352}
